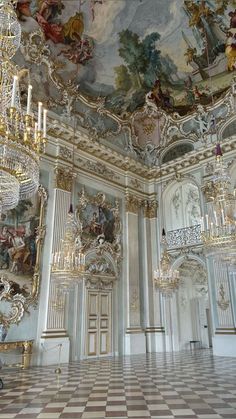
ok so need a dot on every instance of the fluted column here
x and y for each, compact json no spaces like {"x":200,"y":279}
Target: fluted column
{"x":222,"y":286}
{"x":134,"y":338}
{"x":152,"y":313}
{"x":55,"y":332}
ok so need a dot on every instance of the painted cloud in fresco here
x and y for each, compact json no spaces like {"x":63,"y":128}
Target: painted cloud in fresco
{"x":129,"y":51}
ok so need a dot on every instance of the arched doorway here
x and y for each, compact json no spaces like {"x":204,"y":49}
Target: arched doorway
{"x":100,"y":314}
{"x":92,"y":309}
{"x":194,"y":320}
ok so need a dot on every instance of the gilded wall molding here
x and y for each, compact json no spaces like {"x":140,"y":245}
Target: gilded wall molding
{"x":64,"y":179}
{"x":222,"y":302}
{"x":98,"y":168}
{"x":106,"y":154}
{"x":96,"y":242}
{"x":100,"y":283}
{"x":134,"y":300}
{"x":65,"y":152}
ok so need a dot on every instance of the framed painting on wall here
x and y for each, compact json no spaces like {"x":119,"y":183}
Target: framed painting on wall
{"x":22,"y":233}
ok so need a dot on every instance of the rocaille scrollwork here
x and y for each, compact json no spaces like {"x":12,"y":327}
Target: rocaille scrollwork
{"x":96,"y":241}
{"x":12,"y":293}
{"x":173,"y":129}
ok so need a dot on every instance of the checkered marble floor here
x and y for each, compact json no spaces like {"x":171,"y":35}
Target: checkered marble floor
{"x":184,"y":385}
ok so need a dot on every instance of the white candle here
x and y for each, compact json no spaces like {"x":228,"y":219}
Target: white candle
{"x":13,"y":98}
{"x":215,"y":215}
{"x":202,"y":225}
{"x":211,"y":228}
{"x":45,"y":123}
{"x":207,"y":222}
{"x":223,"y":217}
{"x":29,"y":99}
{"x":40,"y":108}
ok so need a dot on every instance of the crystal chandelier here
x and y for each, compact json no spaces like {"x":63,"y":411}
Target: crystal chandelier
{"x":21,"y":138}
{"x":219,"y":225}
{"x":165,"y":278}
{"x":68,"y":263}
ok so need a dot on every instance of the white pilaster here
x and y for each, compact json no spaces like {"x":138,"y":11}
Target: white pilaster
{"x":152,"y":316}
{"x":54,"y":336}
{"x":134,"y":338}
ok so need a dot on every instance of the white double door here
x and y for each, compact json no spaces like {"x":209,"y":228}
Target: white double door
{"x":99,"y":323}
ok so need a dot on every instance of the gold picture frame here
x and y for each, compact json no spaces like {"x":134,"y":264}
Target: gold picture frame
{"x":21,"y":241}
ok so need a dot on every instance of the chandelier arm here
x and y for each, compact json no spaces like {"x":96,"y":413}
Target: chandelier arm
{"x":21,"y":144}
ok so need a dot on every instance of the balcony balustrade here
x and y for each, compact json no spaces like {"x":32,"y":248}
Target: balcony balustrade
{"x":188,"y":236}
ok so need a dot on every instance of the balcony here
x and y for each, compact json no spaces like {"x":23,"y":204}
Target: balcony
{"x":183,"y":237}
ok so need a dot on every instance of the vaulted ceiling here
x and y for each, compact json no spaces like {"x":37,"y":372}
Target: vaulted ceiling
{"x":122,"y":50}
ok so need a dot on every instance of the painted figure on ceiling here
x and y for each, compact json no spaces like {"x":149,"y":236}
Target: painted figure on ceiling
{"x":48,"y":10}
{"x":230,"y":48}
{"x":74,"y":28}
{"x":92,"y":7}
{"x":79,"y":52}
{"x":207,"y":28}
{"x":161,"y":98}
{"x":23,"y":9}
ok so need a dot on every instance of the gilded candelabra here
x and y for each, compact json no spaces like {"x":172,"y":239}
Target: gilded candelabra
{"x":219,"y":224}
{"x":165,"y":278}
{"x":68,"y":264}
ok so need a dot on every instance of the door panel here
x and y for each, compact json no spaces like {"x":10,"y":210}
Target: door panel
{"x":93,"y":304}
{"x":92,"y":343}
{"x":98,"y":328}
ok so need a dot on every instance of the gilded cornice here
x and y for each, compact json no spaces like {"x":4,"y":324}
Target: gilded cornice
{"x":64,"y":179}
{"x":98,"y":168}
{"x":64,"y":134}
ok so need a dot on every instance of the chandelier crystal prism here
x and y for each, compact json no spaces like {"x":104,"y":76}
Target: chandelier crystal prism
{"x":166,"y":279}
{"x":68,"y":263}
{"x":22,"y":140}
{"x":219,"y":225}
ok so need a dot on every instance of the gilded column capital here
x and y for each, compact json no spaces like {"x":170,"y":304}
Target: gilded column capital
{"x":64,"y":179}
{"x":132,"y":203}
{"x":150,"y":208}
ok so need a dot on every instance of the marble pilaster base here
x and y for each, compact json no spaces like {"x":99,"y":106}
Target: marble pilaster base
{"x":54,"y":350}
{"x":135,"y":341}
{"x":155,"y":339}
{"x":224,"y":344}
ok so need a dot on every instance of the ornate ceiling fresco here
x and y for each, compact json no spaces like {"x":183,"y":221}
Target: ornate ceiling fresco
{"x":107,"y":59}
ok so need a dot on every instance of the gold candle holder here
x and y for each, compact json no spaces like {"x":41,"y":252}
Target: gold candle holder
{"x":28,"y":120}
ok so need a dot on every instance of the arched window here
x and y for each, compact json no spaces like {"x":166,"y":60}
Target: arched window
{"x":182,"y":206}
{"x":177,"y":151}
{"x":229,"y":130}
